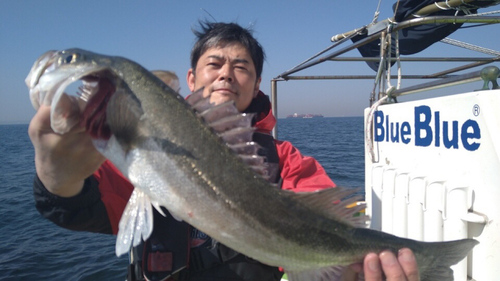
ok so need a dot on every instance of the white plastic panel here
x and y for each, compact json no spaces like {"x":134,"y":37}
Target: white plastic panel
{"x":436,"y":174}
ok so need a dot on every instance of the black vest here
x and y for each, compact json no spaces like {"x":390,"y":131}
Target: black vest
{"x":167,"y":254}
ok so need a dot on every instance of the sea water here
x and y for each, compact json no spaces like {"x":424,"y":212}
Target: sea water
{"x":32,"y":248}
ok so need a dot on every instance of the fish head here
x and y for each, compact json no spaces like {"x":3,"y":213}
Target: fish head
{"x":52,"y":74}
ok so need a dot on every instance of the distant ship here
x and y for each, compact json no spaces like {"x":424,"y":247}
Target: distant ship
{"x":296,"y":115}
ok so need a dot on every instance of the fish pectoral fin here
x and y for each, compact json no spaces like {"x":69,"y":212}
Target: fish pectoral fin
{"x":123,"y":114}
{"x":337,"y":203}
{"x":136,"y":222}
{"x":332,"y":273}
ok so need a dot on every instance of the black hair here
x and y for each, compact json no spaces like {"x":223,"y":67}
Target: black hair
{"x":212,"y":34}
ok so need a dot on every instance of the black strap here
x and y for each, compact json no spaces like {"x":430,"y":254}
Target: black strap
{"x":204,"y":257}
{"x":268,"y":149}
{"x":134,"y":272}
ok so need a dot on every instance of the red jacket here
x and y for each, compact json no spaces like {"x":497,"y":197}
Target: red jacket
{"x":299,"y":173}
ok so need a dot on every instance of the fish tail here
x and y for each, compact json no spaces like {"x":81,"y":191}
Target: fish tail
{"x":435,"y":258}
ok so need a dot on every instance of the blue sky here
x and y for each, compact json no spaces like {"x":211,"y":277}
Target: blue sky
{"x":157,"y":34}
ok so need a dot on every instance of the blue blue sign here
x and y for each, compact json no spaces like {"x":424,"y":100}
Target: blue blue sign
{"x":449,"y":134}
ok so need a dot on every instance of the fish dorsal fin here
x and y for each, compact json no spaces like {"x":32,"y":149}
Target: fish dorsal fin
{"x":237,"y":135}
{"x":248,"y":152}
{"x":234,"y":128}
{"x":243,"y":120}
{"x":195,"y":97}
{"x":337,"y":203}
{"x":217,"y":112}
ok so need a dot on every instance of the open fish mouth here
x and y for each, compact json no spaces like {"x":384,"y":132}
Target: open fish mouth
{"x":52,"y":81}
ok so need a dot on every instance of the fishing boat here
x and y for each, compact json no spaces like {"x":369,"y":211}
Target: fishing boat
{"x":432,"y":163}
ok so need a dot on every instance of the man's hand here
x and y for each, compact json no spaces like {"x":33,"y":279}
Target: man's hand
{"x":402,"y":267}
{"x":386,"y":266}
{"x":62,"y":161}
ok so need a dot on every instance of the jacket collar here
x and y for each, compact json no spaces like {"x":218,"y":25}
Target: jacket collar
{"x":264,"y":118}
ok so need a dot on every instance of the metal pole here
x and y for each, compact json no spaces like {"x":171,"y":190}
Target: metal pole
{"x":364,"y":77}
{"x":456,"y":80}
{"x":335,"y":54}
{"x":396,"y":27}
{"x":274,"y":105}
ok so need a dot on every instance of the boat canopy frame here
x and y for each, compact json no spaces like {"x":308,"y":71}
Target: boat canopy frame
{"x":381,"y":31}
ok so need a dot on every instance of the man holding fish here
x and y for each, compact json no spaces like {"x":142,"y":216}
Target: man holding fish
{"x":77,"y":188}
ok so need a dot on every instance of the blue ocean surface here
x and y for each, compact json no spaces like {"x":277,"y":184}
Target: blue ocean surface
{"x":336,"y":142}
{"x":33,"y":248}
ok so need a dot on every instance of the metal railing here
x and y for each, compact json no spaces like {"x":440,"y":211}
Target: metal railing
{"x":445,"y":78}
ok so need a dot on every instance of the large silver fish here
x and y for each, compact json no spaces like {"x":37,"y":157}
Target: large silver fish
{"x":183,"y":158}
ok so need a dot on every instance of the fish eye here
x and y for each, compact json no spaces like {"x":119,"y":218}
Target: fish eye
{"x":70,"y":58}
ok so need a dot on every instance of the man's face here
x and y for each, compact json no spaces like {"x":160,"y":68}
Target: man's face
{"x":227,"y":72}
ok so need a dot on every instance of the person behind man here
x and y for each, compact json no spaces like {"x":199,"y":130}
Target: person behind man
{"x":169,"y":77}
{"x":77,"y":189}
